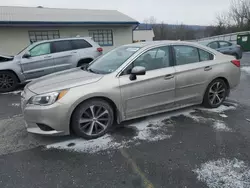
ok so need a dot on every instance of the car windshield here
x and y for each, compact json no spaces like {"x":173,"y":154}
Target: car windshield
{"x":111,"y":61}
{"x":25,"y":48}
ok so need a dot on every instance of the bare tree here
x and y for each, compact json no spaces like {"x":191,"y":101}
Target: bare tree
{"x":237,"y":18}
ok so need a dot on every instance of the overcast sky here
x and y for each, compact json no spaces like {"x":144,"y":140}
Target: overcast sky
{"x":197,"y":12}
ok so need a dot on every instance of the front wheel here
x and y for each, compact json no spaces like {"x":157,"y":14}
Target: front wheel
{"x":92,"y":119}
{"x":215,"y":94}
{"x":8,"y":81}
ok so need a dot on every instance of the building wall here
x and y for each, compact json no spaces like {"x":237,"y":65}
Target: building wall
{"x":143,"y":35}
{"x":14,"y":39}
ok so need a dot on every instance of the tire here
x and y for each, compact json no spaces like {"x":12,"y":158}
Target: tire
{"x":8,"y":81}
{"x":214,"y":92}
{"x":84,"y":63}
{"x":236,"y":56}
{"x":92,"y":127}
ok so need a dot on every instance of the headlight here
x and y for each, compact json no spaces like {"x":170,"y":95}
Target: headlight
{"x":47,"y":98}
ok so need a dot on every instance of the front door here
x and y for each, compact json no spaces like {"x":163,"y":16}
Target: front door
{"x":150,"y":93}
{"x":193,"y":70}
{"x":39,"y":63}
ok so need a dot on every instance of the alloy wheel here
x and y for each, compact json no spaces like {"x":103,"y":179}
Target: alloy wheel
{"x":6,"y":81}
{"x":217,"y":93}
{"x":94,"y":120}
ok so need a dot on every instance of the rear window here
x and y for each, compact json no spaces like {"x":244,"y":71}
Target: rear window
{"x":205,"y":56}
{"x":224,"y":44}
{"x":80,"y":44}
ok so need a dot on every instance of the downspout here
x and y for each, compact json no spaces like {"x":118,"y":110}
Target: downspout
{"x":133,"y":31}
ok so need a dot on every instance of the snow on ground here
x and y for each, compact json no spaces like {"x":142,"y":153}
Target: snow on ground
{"x":223,"y":115}
{"x":150,"y":129}
{"x":221,"y":126}
{"x":220,"y":109}
{"x":246,"y":69}
{"x":15,"y":104}
{"x":224,"y":173}
{"x":87,"y":146}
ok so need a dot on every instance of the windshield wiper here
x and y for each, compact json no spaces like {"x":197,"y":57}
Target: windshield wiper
{"x":91,"y":70}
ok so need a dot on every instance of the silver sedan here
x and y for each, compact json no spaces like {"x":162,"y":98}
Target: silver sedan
{"x":130,"y":81}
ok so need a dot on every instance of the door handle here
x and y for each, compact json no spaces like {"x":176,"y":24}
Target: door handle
{"x":208,"y":68}
{"x":168,"y":76}
{"x":48,"y":56}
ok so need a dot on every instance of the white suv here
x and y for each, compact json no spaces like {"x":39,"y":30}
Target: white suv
{"x":46,"y":57}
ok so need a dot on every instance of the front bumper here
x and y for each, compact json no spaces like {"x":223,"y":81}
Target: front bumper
{"x":54,"y":116}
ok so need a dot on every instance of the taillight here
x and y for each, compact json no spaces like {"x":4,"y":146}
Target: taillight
{"x":99,"y":49}
{"x":236,"y":62}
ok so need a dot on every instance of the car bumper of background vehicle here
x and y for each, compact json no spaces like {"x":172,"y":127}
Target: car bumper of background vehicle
{"x":46,"y":120}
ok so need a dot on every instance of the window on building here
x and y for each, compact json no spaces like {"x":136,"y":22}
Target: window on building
{"x":43,"y":35}
{"x":103,"y":37}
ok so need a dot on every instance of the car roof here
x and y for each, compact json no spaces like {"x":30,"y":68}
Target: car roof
{"x":146,"y":45}
{"x":62,"y":39}
{"x":166,"y":42}
{"x":205,"y":42}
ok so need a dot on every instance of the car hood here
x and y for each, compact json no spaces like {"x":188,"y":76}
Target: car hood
{"x":63,"y":80}
{"x":4,"y":58}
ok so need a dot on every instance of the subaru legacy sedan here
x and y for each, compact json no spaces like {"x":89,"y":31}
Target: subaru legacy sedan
{"x":128,"y":82}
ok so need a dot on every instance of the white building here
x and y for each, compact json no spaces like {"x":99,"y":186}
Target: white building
{"x":20,"y":26}
{"x":143,"y":35}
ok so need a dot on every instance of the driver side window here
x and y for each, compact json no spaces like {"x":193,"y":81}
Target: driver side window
{"x":156,"y":58}
{"x":40,"y":49}
{"x":213,"y":45}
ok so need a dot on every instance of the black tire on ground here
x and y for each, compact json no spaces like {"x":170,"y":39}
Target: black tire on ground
{"x":85,"y":108}
{"x":208,"y":96}
{"x":8,"y":81}
{"x":236,"y":56}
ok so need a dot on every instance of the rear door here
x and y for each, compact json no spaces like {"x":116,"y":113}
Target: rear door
{"x":39,"y":63}
{"x":193,"y":68}
{"x":65,"y":57}
{"x":225,"y":47}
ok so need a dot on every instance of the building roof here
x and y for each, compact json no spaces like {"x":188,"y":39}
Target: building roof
{"x":35,"y":15}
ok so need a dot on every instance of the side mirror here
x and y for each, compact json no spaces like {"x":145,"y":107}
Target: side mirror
{"x":138,"y":70}
{"x":27,"y":55}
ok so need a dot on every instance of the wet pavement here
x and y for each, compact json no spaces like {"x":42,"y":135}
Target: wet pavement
{"x":192,"y":147}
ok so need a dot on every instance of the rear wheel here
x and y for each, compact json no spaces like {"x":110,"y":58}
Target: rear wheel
{"x":8,"y":81}
{"x":236,"y":56}
{"x":215,"y":94}
{"x":92,"y":119}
